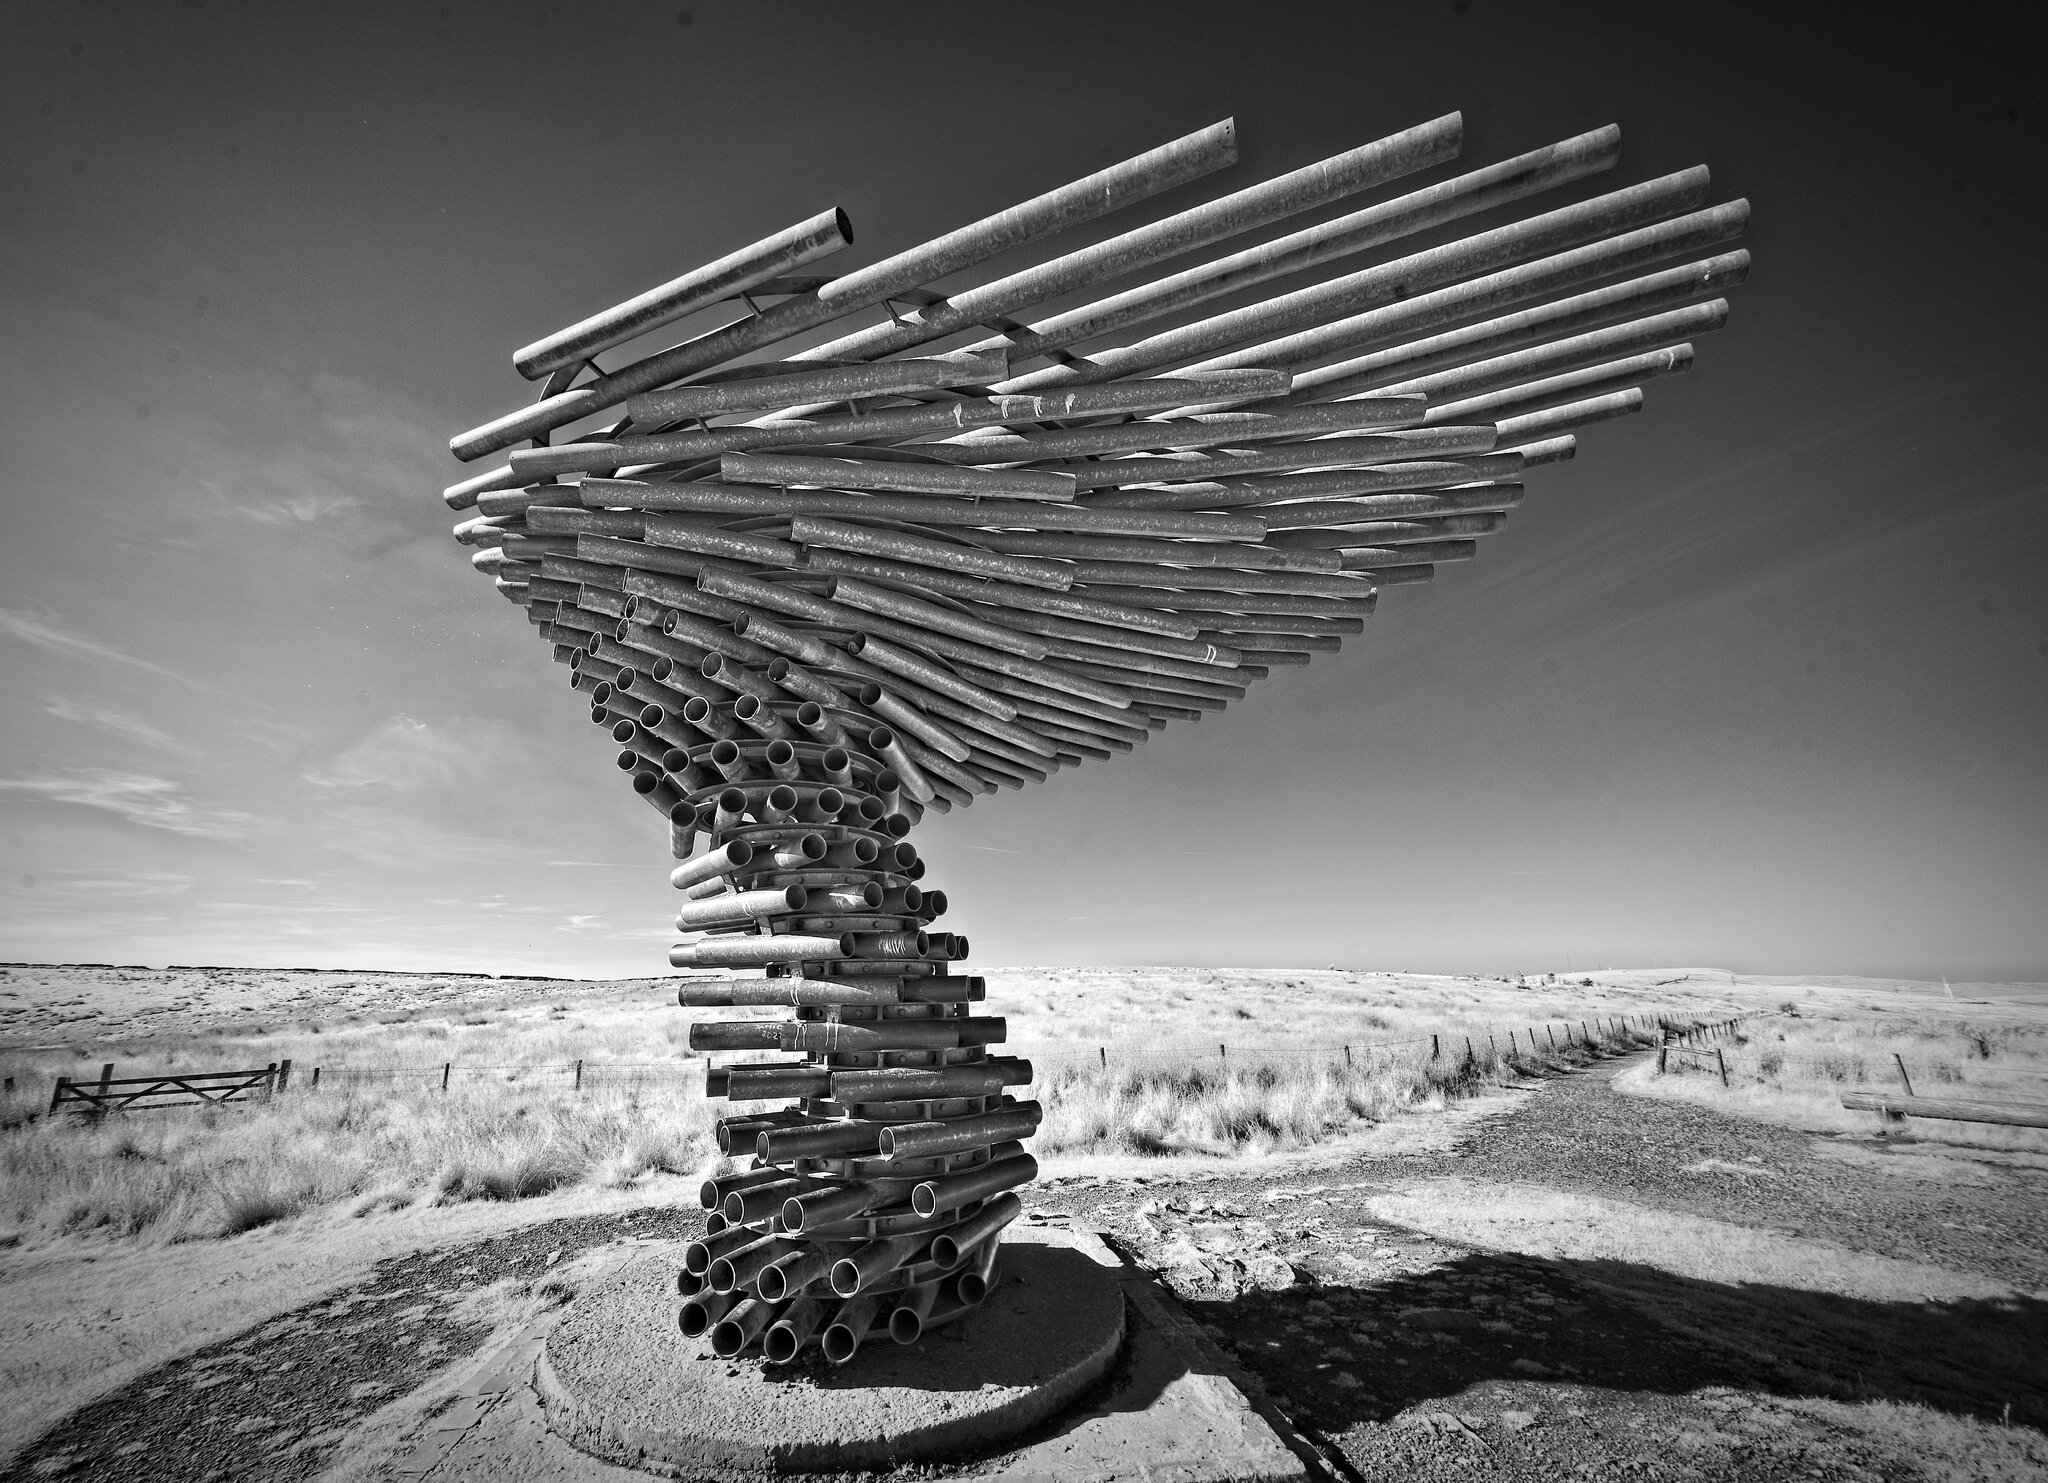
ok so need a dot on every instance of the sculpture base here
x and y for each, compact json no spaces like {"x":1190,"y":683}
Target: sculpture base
{"x":617,"y":1379}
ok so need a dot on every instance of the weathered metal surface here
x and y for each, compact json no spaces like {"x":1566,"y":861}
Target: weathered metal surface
{"x":806,"y":242}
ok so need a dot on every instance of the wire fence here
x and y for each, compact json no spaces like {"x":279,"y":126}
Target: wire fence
{"x":1051,"y":1061}
{"x":574,"y":1076}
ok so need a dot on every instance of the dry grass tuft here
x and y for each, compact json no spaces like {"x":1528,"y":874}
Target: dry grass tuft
{"x":186,"y":1174}
{"x":380,"y":1134}
{"x":1258,"y":1103}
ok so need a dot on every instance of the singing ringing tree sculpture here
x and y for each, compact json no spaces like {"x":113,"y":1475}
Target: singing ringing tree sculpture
{"x":812,"y":590}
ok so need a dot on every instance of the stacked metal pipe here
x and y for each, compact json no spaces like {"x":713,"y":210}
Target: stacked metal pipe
{"x":996,"y":526}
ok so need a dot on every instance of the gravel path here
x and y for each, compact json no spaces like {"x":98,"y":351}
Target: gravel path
{"x":1582,"y":1134}
{"x":1579,"y":1134}
{"x":1420,"y":1358}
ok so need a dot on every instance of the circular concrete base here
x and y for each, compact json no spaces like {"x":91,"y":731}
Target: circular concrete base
{"x":619,"y":1380}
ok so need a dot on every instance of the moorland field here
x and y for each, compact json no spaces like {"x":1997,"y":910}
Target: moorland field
{"x":1434,"y":1131}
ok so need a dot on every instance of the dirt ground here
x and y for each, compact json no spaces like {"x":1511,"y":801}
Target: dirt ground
{"x":1601,"y":1285}
{"x":1574,"y":1282}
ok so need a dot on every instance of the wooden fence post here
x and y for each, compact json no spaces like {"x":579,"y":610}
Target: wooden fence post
{"x":1222,"y":1052}
{"x":57,"y":1093}
{"x":1103,"y":1052}
{"x":316,"y":1078}
{"x":579,"y":1073}
{"x":1548,"y":1036}
{"x":1902,"y":1073}
{"x":1435,"y":1050}
{"x":284,"y":1073}
{"x":106,"y":1075}
{"x":1662,"y":1052}
{"x":446,"y":1067}
{"x":1347,"y":1062}
{"x":1723,"y":1060}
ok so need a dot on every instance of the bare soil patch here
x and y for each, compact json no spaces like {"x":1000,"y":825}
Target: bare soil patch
{"x":279,"y":1399}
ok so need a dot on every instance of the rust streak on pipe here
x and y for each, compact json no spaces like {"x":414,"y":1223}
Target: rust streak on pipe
{"x":1290,"y":315}
{"x":1355,"y":449}
{"x":899,"y":478}
{"x":1340,"y":175}
{"x":1221,"y":388}
{"x":1389,"y":221}
{"x":813,"y":530}
{"x":1490,"y":292}
{"x":750,"y":500}
{"x":806,"y":242}
{"x":833,"y":384}
{"x":926,"y":614}
{"x":1133,"y":180}
{"x":1251,"y":493}
{"x":1224,"y":430}
{"x":1573,"y":385}
{"x":1444,"y":364}
{"x":998,"y":594}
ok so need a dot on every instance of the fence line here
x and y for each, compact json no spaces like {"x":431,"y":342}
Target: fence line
{"x":1693,"y":1042}
{"x":1056,"y":1059}
{"x":1059,"y":1055}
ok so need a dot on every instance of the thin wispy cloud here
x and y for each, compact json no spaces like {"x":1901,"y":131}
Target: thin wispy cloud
{"x":276,"y":736}
{"x":403,"y":753}
{"x":66,"y":887}
{"x":137,"y":798}
{"x":115,"y":723}
{"x":394,"y":838}
{"x":239,"y":910}
{"x":302,"y":509}
{"x":400,"y":753}
{"x":345,"y":469}
{"x":405,"y":794}
{"x":45,"y":631}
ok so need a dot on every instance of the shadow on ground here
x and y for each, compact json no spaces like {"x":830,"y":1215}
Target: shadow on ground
{"x":1337,"y":1356}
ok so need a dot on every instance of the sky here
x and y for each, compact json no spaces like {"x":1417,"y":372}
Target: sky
{"x":1759,"y":681}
